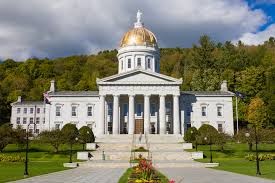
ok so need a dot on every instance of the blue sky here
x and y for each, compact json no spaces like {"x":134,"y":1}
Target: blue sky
{"x":51,"y":28}
{"x":268,"y":6}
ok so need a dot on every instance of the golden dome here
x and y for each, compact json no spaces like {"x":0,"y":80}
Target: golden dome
{"x":139,"y":36}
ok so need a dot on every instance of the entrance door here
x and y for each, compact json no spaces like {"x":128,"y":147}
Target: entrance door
{"x":139,"y":128}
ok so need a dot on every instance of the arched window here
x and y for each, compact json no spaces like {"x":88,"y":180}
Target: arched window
{"x":121,"y":64}
{"x":129,"y":63}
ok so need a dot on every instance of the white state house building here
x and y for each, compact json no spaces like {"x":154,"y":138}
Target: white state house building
{"x":136,"y":100}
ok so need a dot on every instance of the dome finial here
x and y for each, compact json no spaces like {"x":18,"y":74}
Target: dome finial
{"x":138,"y":23}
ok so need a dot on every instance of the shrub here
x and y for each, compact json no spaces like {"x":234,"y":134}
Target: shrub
{"x":5,"y":136}
{"x":209,"y":132}
{"x":140,"y":149}
{"x":86,"y":135}
{"x":53,"y":137}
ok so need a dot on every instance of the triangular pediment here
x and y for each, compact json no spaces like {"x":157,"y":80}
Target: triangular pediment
{"x":139,"y":77}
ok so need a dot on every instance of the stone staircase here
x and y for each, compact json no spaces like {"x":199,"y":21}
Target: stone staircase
{"x":166,"y":151}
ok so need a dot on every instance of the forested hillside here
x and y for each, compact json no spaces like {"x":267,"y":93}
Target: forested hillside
{"x":248,"y":69}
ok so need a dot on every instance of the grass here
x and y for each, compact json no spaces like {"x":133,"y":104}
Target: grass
{"x":232,"y":159}
{"x":13,"y":171}
{"x":42,"y":160}
{"x":127,"y":173}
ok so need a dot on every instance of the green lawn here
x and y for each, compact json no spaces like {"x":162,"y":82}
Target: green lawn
{"x":42,"y":160}
{"x":14,"y":171}
{"x":232,"y":159}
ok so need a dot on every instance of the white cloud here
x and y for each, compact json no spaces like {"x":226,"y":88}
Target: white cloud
{"x":53,"y":28}
{"x":259,"y":37}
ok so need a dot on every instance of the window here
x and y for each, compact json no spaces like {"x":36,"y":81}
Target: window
{"x":153,"y":109}
{"x":168,"y":107}
{"x":89,"y":111}
{"x":138,"y":61}
{"x":24,"y":120}
{"x":149,"y":63}
{"x":139,"y":109}
{"x":37,"y":131}
{"x":110,"y":109}
{"x":30,"y":130}
{"x":57,"y":126}
{"x":17,"y":120}
{"x":129,"y":63}
{"x":43,"y":120}
{"x":219,"y":111}
{"x":74,"y":113}
{"x":188,"y":125}
{"x":220,"y":127}
{"x":203,"y":110}
{"x":18,"y":110}
{"x":31,"y":110}
{"x":37,"y":120}
{"x":58,"y":111}
{"x":125,"y":109}
{"x":188,"y":111}
{"x":121,"y":64}
{"x":38,"y":110}
{"x":25,"y":110}
{"x":31,"y":120}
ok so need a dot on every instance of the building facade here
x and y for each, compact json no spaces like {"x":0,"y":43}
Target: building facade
{"x":136,"y":100}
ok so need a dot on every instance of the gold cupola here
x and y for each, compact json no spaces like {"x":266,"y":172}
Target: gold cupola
{"x":139,"y":35}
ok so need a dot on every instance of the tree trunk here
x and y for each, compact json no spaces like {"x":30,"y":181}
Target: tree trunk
{"x":83,"y":147}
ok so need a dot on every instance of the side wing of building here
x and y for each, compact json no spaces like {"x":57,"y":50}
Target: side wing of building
{"x":77,"y":107}
{"x":214,"y":108}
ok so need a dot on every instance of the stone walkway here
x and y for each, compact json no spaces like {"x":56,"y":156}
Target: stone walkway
{"x":206,"y":175}
{"x":82,"y":175}
{"x":111,"y":175}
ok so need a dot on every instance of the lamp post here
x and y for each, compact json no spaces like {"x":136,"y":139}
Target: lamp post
{"x":71,"y":153}
{"x":26,"y":172}
{"x":257,"y":154}
{"x":210,"y":148}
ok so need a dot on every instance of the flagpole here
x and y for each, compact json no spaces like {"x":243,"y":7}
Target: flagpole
{"x":237,"y":116}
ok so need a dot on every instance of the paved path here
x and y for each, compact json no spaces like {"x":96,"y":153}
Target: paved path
{"x":82,"y":175}
{"x":206,"y":175}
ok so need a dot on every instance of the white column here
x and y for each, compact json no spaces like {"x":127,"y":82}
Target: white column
{"x":131,"y":114}
{"x":101,"y":122}
{"x":162,"y":124}
{"x":115,"y":114}
{"x":176,"y":117}
{"x":146,"y":114}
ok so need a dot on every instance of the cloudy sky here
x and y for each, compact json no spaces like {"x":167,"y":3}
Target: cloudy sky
{"x":56,"y":28}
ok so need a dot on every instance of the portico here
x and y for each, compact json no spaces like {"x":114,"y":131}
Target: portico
{"x":124,"y":117}
{"x":131,"y":105}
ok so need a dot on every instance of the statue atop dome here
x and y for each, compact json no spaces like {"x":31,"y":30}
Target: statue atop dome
{"x":139,"y":13}
{"x":138,"y":23}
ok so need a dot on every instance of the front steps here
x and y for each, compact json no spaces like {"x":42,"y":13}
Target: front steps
{"x":126,"y":164}
{"x":162,"y":147}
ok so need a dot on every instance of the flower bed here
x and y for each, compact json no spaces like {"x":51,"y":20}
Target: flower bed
{"x":8,"y":158}
{"x":144,"y":172}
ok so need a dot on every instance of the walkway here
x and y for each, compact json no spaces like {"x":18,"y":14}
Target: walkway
{"x":207,"y":175}
{"x":81,"y":175}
